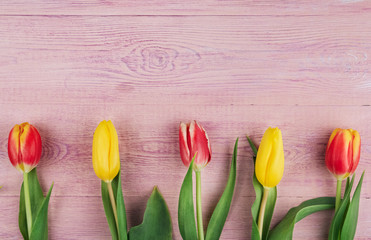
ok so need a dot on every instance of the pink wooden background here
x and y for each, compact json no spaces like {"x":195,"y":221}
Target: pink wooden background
{"x":236,"y":66}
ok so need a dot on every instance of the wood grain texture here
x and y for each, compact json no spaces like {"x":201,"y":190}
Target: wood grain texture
{"x":281,"y":60}
{"x":189,"y":7}
{"x":64,"y":67}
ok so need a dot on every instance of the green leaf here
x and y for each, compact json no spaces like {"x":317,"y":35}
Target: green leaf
{"x":269,"y":209}
{"x":253,"y":148}
{"x":120,"y":233}
{"x":121,"y":212}
{"x":255,"y":208}
{"x":108,"y":206}
{"x":347,"y":186}
{"x":338,"y":219}
{"x":156,"y":221}
{"x":350,"y":223}
{"x":186,"y":212}
{"x":284,"y":230}
{"x":36,"y":199}
{"x":40,"y":224}
{"x":217,"y":221}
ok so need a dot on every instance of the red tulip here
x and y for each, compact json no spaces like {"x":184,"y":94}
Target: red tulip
{"x":193,"y":140}
{"x":24,"y":147}
{"x":343,"y":152}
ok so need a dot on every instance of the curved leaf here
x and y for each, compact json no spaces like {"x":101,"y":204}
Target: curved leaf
{"x":350,"y":223}
{"x":255,"y":208}
{"x":217,"y":221}
{"x":121,"y":211}
{"x":338,"y":219}
{"x":40,"y":224}
{"x":108,"y":206}
{"x":186,"y":212}
{"x":36,"y":199}
{"x":347,"y":186}
{"x":284,"y":230}
{"x":156,"y":221}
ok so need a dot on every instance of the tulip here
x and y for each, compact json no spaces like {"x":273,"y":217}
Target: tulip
{"x":106,"y":159}
{"x":269,"y":166}
{"x":342,"y":156}
{"x":24,"y":147}
{"x":270,"y":158}
{"x":194,"y":144}
{"x":343,"y":152}
{"x":24,"y":150}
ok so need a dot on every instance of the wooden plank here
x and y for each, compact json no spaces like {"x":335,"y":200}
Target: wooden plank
{"x":241,"y":60}
{"x":190,"y":7}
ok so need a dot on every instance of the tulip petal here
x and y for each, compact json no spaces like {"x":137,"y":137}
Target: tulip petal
{"x":275,"y":167}
{"x":200,"y":145}
{"x":356,"y":150}
{"x":183,"y":144}
{"x":337,"y":154}
{"x":13,"y":145}
{"x":30,"y":146}
{"x":264,"y":151}
{"x":101,"y":148}
{"x":333,"y":134}
{"x":114,"y":157}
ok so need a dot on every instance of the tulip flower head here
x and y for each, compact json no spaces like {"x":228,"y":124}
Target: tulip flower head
{"x":194,"y":142}
{"x":270,"y":158}
{"x":24,"y":147}
{"x":106,"y":159}
{"x":343,"y":152}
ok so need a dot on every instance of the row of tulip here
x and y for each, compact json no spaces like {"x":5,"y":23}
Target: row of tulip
{"x":342,"y":157}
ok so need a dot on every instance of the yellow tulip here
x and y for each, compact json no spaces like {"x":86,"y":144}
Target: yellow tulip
{"x":269,"y":166}
{"x":270,"y":159}
{"x":106,"y":159}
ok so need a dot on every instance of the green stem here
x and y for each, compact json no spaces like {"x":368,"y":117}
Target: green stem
{"x":199,"y":207}
{"x":262,"y":211}
{"x":113,"y":203}
{"x":338,"y":195}
{"x":28,"y":203}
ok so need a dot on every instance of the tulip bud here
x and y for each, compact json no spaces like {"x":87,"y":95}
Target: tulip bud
{"x":106,"y":159}
{"x":270,"y":158}
{"x":193,"y":140}
{"x":343,"y":152}
{"x":24,"y":147}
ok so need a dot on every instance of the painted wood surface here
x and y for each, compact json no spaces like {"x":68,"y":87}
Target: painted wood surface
{"x":190,"y":7}
{"x":236,"y":66}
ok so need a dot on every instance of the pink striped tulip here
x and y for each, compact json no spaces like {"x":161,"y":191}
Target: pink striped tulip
{"x":343,"y":152}
{"x":24,"y":147}
{"x":193,"y":140}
